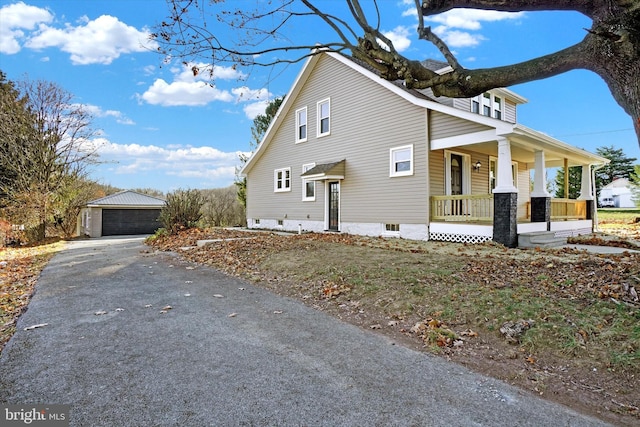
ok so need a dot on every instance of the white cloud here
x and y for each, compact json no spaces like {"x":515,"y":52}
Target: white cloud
{"x":399,"y":36}
{"x":471,"y":19}
{"x":184,"y":93}
{"x":410,"y":8}
{"x":467,"y":19}
{"x":205,"y":72}
{"x":96,"y":111}
{"x":254,"y":109}
{"x":454,"y":38}
{"x":205,"y":163}
{"x":15,"y":18}
{"x":99,"y":41}
{"x":188,"y":89}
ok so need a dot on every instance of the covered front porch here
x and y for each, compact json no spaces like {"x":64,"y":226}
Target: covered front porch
{"x":469,"y":219}
{"x":495,"y":187}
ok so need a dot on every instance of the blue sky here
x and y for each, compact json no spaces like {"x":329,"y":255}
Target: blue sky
{"x":160,"y":127}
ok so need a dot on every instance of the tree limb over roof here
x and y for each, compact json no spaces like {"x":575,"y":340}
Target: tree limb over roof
{"x":610,"y":48}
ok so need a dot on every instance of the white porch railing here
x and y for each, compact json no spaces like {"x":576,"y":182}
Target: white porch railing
{"x":462,"y":208}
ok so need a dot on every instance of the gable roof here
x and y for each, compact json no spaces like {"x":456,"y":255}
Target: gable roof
{"x":498,"y":128}
{"x":618,"y":183}
{"x":334,"y":170}
{"x":128,"y":198}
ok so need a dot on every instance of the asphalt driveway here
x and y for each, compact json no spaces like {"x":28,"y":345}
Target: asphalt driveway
{"x":227,"y":354}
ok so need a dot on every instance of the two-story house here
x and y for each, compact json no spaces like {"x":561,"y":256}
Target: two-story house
{"x":351,"y":152}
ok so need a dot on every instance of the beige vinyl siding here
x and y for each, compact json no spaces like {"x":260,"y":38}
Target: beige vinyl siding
{"x":443,"y":125}
{"x":462,"y":103}
{"x":509,"y":113}
{"x":436,"y":173}
{"x":366,"y":122}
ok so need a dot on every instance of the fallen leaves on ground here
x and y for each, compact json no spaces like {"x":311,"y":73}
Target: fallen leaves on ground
{"x":394,"y":285}
{"x":19,"y":270}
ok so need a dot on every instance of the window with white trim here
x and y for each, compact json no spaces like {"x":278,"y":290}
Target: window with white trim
{"x":301,"y":125}
{"x":392,"y":228}
{"x":493,"y":173}
{"x":308,"y":187}
{"x":401,"y":161}
{"x":497,"y":107}
{"x":488,"y":105}
{"x":324,"y":117}
{"x":282,"y":180}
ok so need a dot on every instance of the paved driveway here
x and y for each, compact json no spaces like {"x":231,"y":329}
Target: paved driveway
{"x":227,"y":354}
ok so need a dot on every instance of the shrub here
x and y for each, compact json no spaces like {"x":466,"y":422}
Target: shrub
{"x":182,"y":210}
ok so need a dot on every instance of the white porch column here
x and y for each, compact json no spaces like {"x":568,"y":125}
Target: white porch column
{"x":585,"y":188}
{"x":539,"y":177}
{"x":504,"y":181}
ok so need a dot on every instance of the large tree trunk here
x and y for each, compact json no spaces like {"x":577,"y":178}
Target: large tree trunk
{"x":611,"y":48}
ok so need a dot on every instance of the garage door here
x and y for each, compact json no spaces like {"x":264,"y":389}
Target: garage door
{"x":118,"y":222}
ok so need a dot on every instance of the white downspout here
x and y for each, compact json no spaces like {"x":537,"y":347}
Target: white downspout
{"x":595,"y":196}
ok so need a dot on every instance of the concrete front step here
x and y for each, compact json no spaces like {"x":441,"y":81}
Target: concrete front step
{"x":540,"y":239}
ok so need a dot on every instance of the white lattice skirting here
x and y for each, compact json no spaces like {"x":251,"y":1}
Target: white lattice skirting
{"x":458,"y":238}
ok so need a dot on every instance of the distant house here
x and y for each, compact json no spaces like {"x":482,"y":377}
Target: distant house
{"x":351,"y":152}
{"x":123,"y":213}
{"x":617,"y":194}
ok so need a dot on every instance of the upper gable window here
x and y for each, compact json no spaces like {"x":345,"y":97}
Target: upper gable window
{"x":497,"y":107}
{"x":488,"y":105}
{"x":401,"y":161}
{"x":282,"y":180}
{"x":301,"y":125}
{"x":324,"y":117}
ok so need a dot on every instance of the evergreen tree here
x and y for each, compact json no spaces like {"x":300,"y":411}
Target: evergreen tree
{"x":575,"y":182}
{"x":621,"y":166}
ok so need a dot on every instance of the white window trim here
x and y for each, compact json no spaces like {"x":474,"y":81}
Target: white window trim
{"x":392,"y":169}
{"x":284,"y":180}
{"x":305,"y":168}
{"x":319,"y":118}
{"x":298,"y":124}
{"x":466,"y":171}
{"x":388,"y":233}
{"x":514,"y":171}
{"x":489,"y":102}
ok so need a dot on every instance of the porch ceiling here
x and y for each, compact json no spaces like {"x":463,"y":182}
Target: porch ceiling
{"x":525,"y":142}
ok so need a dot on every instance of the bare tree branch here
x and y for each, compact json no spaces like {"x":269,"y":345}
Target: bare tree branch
{"x":610,"y":48}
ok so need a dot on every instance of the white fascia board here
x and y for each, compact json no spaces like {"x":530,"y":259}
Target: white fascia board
{"x":543,"y":139}
{"x":464,"y":139}
{"x":281,"y":113}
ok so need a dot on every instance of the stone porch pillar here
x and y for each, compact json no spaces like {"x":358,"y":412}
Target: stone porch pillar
{"x":540,"y":197}
{"x":586,"y":191}
{"x":505,"y":199}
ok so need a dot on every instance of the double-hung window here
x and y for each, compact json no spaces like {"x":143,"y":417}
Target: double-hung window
{"x":308,"y":187}
{"x":324,"y":117}
{"x":497,"y":107}
{"x":401,"y":161}
{"x":488,"y":105}
{"x":301,"y":125}
{"x":282,"y":180}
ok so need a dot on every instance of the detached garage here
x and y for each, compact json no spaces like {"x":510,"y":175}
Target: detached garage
{"x":123,"y":213}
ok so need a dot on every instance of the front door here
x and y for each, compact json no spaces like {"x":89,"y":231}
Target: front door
{"x":456,"y":183}
{"x":334,"y":205}
{"x":456,"y":174}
